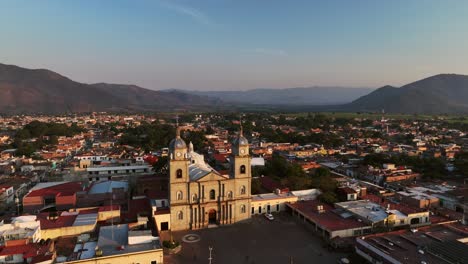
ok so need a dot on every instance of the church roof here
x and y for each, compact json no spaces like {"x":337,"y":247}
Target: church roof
{"x":198,"y":168}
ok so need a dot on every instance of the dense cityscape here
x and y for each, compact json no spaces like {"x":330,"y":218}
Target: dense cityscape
{"x":352,"y":186}
{"x":233,"y":132}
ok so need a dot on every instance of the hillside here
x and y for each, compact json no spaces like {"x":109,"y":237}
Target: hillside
{"x":443,"y":93}
{"x":290,"y":96}
{"x":43,"y":91}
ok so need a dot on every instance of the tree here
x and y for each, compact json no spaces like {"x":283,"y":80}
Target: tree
{"x":160,"y":166}
{"x":322,"y":172}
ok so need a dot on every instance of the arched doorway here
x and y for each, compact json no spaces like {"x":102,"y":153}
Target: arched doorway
{"x":212,"y":216}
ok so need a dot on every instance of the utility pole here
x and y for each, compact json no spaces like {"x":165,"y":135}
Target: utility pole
{"x":210,"y":258}
{"x":112,"y":213}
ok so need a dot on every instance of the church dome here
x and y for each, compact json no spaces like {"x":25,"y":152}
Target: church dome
{"x":240,"y":141}
{"x":177,"y":143}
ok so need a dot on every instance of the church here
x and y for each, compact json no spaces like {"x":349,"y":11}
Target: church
{"x":200,"y":196}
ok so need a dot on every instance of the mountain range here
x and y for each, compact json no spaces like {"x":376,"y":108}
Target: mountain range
{"x":318,"y":95}
{"x":47,"y":92}
{"x":442,"y":93}
{"x":44,"y":91}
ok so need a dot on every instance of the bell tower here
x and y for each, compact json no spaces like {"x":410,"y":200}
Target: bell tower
{"x":240,"y":158}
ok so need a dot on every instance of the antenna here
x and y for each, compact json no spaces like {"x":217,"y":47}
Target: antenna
{"x":177,"y":127}
{"x":210,"y":258}
{"x":112,"y":214}
{"x":241,"y":128}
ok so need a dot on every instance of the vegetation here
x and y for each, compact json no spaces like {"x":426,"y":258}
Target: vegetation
{"x":43,"y":134}
{"x":171,"y":244}
{"x":289,"y":174}
{"x":323,"y":180}
{"x":148,"y":136}
{"x":430,"y":167}
{"x":461,"y":163}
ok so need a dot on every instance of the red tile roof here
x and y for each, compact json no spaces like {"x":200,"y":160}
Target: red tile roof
{"x":27,"y":250}
{"x":61,"y":221}
{"x":64,"y":189}
{"x":326,"y":219}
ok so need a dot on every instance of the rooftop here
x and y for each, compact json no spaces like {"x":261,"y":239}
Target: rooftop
{"x":328,"y":218}
{"x":365,"y":209}
{"x":412,"y":247}
{"x":114,"y":240}
{"x":55,"y":188}
{"x":107,"y":186}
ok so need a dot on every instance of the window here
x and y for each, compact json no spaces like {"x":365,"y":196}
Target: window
{"x":180,"y":215}
{"x":242,"y":169}
{"x":229,"y":195}
{"x":179,"y":173}
{"x":179,"y":195}
{"x":212,"y":195}
{"x":194,"y":198}
{"x":154,"y":262}
{"x":243,"y":209}
{"x":242,"y":190}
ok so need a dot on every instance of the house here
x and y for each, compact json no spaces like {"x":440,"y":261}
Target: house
{"x":58,"y":195}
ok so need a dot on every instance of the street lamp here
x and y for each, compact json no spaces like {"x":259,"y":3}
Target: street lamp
{"x":17,"y":202}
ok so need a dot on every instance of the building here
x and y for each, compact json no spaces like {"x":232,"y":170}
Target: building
{"x":432,"y":244}
{"x":6,"y":194}
{"x":199,"y":195}
{"x":119,"y":244}
{"x":393,"y":215}
{"x":327,"y":221}
{"x":22,"y":230}
{"x":46,"y":195}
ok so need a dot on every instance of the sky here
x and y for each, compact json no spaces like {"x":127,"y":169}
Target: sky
{"x":237,"y":44}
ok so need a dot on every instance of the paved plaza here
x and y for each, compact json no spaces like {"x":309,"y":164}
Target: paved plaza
{"x":256,"y":241}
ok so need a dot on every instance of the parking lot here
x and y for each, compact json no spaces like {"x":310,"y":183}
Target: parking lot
{"x":255,"y":241}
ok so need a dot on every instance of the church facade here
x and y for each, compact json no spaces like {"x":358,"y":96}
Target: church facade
{"x":200,"y":196}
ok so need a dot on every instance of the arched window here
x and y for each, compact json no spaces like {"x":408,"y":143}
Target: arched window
{"x":242,"y":169}
{"x":180,"y":215}
{"x":179,"y":196}
{"x":194,"y":198}
{"x":212,"y":195}
{"x":242,"y":190}
{"x":243,"y":209}
{"x":179,"y":173}
{"x":229,"y":195}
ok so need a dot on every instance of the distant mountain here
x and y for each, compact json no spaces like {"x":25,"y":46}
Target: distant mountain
{"x":289,"y":96}
{"x":43,"y":91}
{"x":443,"y":93}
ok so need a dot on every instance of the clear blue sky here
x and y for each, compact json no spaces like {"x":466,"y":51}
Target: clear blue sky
{"x":237,"y":44}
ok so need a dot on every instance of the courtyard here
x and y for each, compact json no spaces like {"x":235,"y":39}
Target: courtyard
{"x":255,"y":241}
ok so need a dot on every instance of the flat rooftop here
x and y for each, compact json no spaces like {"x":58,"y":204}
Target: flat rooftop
{"x":373,"y":212}
{"x":329,"y":218}
{"x":416,"y":247}
{"x":113,"y":240}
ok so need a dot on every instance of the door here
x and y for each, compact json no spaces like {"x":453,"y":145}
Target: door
{"x":212,"y":216}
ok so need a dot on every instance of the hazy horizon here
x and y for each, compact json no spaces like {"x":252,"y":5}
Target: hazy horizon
{"x":237,"y":45}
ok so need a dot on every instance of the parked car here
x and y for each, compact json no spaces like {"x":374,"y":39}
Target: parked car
{"x":269,"y":216}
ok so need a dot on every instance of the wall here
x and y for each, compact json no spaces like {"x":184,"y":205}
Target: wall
{"x":54,"y":233}
{"x":255,"y":204}
{"x":143,"y":257}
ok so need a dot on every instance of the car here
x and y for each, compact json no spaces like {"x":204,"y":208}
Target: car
{"x":269,"y":216}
